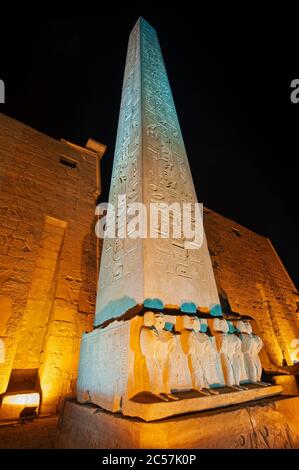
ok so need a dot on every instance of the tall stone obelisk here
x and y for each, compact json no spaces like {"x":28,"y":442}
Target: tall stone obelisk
{"x":150,"y":166}
{"x":166,"y":356}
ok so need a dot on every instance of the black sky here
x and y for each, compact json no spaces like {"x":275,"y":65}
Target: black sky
{"x":230,"y":74}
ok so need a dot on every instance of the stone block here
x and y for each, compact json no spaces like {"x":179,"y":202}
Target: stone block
{"x":266,"y":424}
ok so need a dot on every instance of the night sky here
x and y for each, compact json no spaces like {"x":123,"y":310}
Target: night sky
{"x":230,"y":75}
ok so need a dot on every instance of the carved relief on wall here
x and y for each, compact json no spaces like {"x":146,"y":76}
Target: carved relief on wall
{"x":118,"y":258}
{"x":100,"y":379}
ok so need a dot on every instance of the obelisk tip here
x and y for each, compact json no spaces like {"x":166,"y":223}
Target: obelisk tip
{"x":142,"y":22}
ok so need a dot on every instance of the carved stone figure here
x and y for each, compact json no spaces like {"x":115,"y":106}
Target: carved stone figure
{"x":180,"y":376}
{"x":229,"y":347}
{"x":212,"y":362}
{"x":251,"y":345}
{"x":202,"y":354}
{"x":239,"y":369}
{"x":195,"y":348}
{"x":156,"y":344}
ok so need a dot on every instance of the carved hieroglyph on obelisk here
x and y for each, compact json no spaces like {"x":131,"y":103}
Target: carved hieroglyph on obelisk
{"x":150,"y":166}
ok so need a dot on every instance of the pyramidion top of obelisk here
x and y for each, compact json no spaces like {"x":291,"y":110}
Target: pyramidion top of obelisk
{"x":142,"y":22}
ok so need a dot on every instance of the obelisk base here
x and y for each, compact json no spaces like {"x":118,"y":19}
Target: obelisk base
{"x":269,"y":423}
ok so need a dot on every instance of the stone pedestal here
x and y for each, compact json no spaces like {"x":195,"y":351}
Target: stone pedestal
{"x":265,"y":424}
{"x":152,"y":409}
{"x":127,"y":383}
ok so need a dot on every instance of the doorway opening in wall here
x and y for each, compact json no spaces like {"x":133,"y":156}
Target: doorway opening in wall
{"x":22,"y":399}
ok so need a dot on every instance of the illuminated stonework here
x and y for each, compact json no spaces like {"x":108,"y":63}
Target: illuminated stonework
{"x":13,"y":406}
{"x":147,"y":358}
{"x":142,"y":369}
{"x":151,"y":165}
{"x":48,"y":263}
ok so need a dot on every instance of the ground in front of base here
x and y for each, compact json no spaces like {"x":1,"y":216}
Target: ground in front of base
{"x":37,"y":434}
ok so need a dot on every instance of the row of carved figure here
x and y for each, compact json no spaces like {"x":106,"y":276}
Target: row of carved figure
{"x":222,"y":359}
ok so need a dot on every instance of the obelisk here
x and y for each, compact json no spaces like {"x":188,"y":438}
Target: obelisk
{"x":161,"y":346}
{"x":151,"y":166}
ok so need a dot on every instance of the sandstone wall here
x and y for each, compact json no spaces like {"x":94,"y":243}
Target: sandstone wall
{"x":249,"y":272}
{"x":48,"y":263}
{"x":47,"y":256}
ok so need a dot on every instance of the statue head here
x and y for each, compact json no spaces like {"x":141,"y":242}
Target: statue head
{"x":241,"y":326}
{"x":220,"y":324}
{"x":189,"y":322}
{"x":159,"y":321}
{"x":155,"y":319}
{"x":195,"y":323}
{"x":244,"y":326}
{"x":248,"y":327}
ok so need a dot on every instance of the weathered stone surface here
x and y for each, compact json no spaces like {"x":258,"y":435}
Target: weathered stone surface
{"x":288,"y":383}
{"x":46,"y":235}
{"x":250,"y":274}
{"x":150,"y":166}
{"x":269,"y":424}
{"x":151,"y":411}
{"x":133,"y":367}
{"x":106,"y":363}
{"x":39,"y":270}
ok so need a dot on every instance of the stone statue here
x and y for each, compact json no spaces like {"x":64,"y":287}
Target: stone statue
{"x":195,"y":348}
{"x":237,"y":358}
{"x":202,"y":355}
{"x":156,"y":345}
{"x":251,"y":345}
{"x":180,"y":376}
{"x":229,"y":348}
{"x":212,"y":363}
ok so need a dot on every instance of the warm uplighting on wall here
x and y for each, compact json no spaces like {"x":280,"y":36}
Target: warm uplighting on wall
{"x":20,"y":405}
{"x":294,"y":350}
{"x":25,"y":399}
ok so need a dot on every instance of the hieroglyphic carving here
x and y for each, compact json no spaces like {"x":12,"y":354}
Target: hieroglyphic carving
{"x":271,"y":429}
{"x":101,"y":380}
{"x":167,"y":179}
{"x":120,"y":261}
{"x":150,"y":166}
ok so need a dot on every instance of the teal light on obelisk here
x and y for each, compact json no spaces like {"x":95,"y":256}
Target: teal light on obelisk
{"x":151,"y":165}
